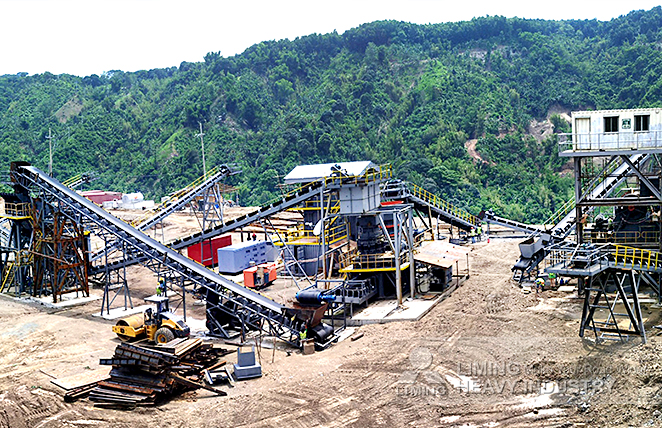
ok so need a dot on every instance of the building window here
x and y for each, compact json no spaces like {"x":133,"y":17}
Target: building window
{"x":642,"y":123}
{"x":611,"y":124}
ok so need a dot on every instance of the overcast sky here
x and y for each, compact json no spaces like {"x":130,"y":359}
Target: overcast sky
{"x":84,"y":37}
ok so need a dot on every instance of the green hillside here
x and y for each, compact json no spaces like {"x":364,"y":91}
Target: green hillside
{"x":391,"y":92}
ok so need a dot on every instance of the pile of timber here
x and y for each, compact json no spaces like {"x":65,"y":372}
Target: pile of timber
{"x":143,"y":376}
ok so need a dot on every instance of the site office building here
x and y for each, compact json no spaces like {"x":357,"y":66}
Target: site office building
{"x":615,"y":129}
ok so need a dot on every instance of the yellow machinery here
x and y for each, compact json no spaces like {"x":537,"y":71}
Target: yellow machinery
{"x":160,"y":327}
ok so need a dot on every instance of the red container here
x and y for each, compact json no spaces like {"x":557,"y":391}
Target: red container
{"x":209,"y":250}
{"x":100,"y":196}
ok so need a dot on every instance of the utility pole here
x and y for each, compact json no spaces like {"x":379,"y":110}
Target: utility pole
{"x":50,"y":153}
{"x":202,"y":143}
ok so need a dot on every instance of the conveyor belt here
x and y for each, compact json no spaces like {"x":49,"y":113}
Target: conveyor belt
{"x":180,"y":201}
{"x":423,"y":199}
{"x":600,"y":190}
{"x":490,"y":217}
{"x":252,"y":308}
{"x":289,"y":201}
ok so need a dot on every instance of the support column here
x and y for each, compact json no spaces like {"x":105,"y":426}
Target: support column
{"x":412,"y":263}
{"x":578,"y":196}
{"x":398,"y":273}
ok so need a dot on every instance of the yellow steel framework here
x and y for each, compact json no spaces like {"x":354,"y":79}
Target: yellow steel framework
{"x":22,"y":258}
{"x":301,"y":236}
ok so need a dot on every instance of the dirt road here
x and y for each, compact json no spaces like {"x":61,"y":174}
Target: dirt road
{"x":487,"y":356}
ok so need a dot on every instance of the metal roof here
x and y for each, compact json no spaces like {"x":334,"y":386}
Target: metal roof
{"x":308,"y":173}
{"x":614,"y":111}
{"x":440,"y":253}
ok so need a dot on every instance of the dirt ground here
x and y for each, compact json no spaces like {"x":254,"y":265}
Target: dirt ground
{"x":488,"y":356}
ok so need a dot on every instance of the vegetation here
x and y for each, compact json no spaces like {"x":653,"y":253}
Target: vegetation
{"x":391,"y":92}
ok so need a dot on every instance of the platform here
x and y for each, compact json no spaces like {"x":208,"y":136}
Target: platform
{"x":68,"y":300}
{"x":386,"y":311}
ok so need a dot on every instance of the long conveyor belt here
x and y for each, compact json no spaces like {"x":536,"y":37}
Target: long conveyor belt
{"x":183,"y":198}
{"x":289,"y":201}
{"x":252,"y":309}
{"x":597,"y":189}
{"x":600,"y":190}
{"x":421,"y":198}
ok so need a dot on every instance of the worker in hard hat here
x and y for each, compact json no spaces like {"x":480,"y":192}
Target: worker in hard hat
{"x":540,"y":283}
{"x":161,"y":288}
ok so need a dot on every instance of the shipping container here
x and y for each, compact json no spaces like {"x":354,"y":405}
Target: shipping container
{"x":100,"y":196}
{"x":209,"y":250}
{"x":235,"y":258}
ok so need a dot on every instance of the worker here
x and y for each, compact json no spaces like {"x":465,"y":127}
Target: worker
{"x":479,"y":232}
{"x":472,"y":235}
{"x":540,"y":283}
{"x":552,"y":279}
{"x":254,"y":237}
{"x":161,"y":288}
{"x":303,"y":334}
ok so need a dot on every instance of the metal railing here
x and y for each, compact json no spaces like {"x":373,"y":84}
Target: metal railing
{"x":17,"y":209}
{"x":302,"y":236}
{"x":568,"y":256}
{"x":614,"y":255}
{"x":621,"y":237}
{"x":563,"y":211}
{"x":382,"y":172}
{"x":637,"y":257}
{"x":610,"y":141}
{"x":372,"y":262}
{"x":314,"y":205}
{"x":434,"y":200}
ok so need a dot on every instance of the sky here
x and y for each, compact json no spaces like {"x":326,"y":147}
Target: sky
{"x":84,"y":37}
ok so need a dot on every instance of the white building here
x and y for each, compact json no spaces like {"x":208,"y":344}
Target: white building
{"x":614,"y":130}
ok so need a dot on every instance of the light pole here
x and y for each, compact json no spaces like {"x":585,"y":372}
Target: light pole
{"x":50,"y":153}
{"x":202,"y":143}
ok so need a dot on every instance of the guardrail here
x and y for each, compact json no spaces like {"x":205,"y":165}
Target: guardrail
{"x":382,"y":172}
{"x":17,"y":209}
{"x":610,"y":141}
{"x":621,"y":237}
{"x":297,"y":236}
{"x":568,"y":256}
{"x":637,"y":257}
{"x":372,"y":262}
{"x":433,"y":199}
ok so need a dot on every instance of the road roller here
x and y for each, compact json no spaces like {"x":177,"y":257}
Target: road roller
{"x":160,"y":326}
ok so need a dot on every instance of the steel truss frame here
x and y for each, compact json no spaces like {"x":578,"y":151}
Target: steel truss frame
{"x":253,"y":310}
{"x":597,"y":297}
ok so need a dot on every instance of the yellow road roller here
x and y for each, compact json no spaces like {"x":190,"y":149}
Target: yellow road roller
{"x":161,"y":326}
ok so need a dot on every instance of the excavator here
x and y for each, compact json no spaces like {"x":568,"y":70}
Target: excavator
{"x":161,"y":326}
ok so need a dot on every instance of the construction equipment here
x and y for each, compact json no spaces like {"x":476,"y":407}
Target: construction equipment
{"x":160,"y":327}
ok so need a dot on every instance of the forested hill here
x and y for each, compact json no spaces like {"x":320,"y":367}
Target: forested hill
{"x":391,"y":92}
